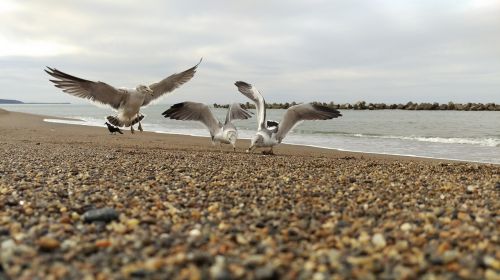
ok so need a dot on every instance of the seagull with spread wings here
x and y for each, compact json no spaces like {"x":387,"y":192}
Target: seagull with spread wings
{"x":271,"y":133}
{"x":220,"y":133}
{"x":126,"y":101}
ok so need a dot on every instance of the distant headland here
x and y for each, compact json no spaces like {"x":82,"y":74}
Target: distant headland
{"x":12,"y":101}
{"x":363,"y":105}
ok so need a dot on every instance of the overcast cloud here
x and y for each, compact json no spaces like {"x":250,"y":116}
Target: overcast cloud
{"x":341,"y":51}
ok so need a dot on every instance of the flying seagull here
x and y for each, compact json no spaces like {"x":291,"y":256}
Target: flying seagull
{"x":271,"y":133}
{"x":126,"y":101}
{"x":221,"y":133}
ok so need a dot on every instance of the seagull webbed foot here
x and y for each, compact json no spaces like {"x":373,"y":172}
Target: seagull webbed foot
{"x":132,"y":129}
{"x":140,"y":127}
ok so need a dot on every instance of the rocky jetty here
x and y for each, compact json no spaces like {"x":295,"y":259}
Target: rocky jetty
{"x":363,"y":105}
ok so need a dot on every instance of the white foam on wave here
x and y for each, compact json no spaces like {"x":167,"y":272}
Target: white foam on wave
{"x":77,"y":122}
{"x":487,"y":142}
{"x":394,"y":154}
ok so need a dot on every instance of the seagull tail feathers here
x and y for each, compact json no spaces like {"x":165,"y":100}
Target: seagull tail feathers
{"x":114,"y":120}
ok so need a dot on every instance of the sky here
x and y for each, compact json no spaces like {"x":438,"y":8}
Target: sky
{"x":391,"y":51}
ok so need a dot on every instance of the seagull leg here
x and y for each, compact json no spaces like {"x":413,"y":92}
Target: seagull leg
{"x":270,"y":152}
{"x":132,"y":129}
{"x":220,"y":146}
{"x":140,"y":127}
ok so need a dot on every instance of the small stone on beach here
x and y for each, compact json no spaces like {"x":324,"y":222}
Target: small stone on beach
{"x":48,"y":243}
{"x":100,"y":215}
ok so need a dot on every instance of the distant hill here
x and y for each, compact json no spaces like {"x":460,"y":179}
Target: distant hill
{"x":9,"y":101}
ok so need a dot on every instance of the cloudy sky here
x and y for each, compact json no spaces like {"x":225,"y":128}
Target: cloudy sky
{"x":305,"y":50}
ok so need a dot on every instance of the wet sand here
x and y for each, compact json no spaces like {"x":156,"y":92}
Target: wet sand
{"x":174,"y":206}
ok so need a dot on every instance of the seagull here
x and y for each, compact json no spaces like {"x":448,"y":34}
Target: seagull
{"x":220,"y":133}
{"x":271,"y":133}
{"x":126,"y":101}
{"x":113,"y":129}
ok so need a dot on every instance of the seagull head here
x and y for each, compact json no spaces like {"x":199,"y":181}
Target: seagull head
{"x":144,"y":89}
{"x":257,"y":141}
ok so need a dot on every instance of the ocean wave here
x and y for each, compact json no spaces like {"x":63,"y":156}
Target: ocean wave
{"x":491,"y":161}
{"x":488,"y":142}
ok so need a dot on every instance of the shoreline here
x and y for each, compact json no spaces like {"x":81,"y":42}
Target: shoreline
{"x":282,"y":149}
{"x":64,"y":121}
{"x":480,"y":150}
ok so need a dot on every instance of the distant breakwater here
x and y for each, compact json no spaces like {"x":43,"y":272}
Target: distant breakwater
{"x":363,"y":105}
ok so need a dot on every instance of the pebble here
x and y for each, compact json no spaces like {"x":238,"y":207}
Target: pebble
{"x":406,"y":227}
{"x":103,"y":243}
{"x":219,"y":270}
{"x":471,"y":188}
{"x":491,"y":274}
{"x":378,"y":240}
{"x":490,"y":261}
{"x":48,"y":244}
{"x":198,"y":213}
{"x":195,"y":233}
{"x":266,"y":273}
{"x":100,"y":215}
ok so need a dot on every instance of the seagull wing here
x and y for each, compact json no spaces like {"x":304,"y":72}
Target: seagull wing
{"x":193,"y":111}
{"x":169,"y":84}
{"x":251,"y":92}
{"x":303,"y":112}
{"x":235,"y":112}
{"x":95,"y":91}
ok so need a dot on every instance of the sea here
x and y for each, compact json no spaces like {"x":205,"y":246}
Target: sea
{"x":453,"y":135}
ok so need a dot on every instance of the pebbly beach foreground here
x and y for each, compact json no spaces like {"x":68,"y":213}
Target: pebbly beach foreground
{"x":78,"y":203}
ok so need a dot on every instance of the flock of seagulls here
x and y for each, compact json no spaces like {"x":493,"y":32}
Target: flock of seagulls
{"x":220,"y":133}
{"x":127,"y":102}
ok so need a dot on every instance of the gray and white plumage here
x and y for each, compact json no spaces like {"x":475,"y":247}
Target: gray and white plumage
{"x":271,"y":133}
{"x":126,"y":101}
{"x":220,"y":133}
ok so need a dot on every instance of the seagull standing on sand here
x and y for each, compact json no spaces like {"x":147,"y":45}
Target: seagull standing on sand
{"x":125,"y":100}
{"x":221,"y":133}
{"x":113,"y":129}
{"x":271,"y":133}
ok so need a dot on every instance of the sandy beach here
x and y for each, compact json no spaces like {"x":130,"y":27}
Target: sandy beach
{"x":78,"y":203}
